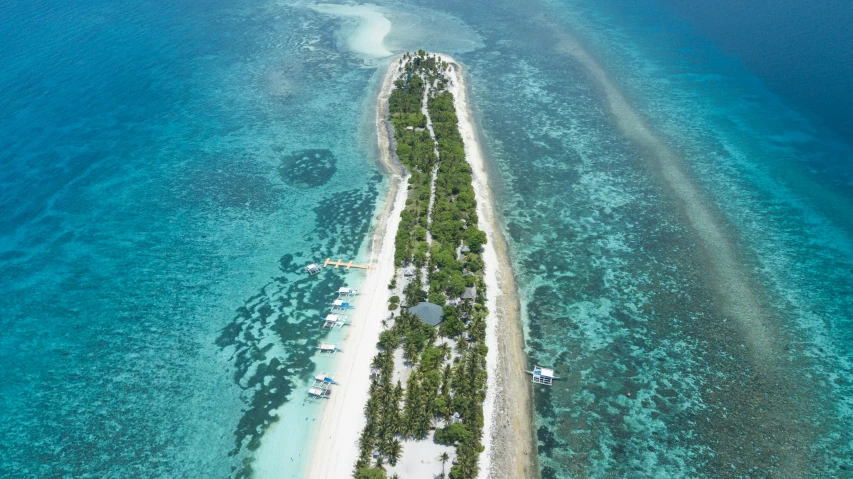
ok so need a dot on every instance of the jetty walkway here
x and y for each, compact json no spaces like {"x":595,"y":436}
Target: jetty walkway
{"x":349,"y":265}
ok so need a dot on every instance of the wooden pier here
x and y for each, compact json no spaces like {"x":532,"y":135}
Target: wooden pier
{"x":349,"y":265}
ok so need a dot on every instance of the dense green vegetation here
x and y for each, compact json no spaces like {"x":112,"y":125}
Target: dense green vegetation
{"x":445,"y":386}
{"x":416,"y":151}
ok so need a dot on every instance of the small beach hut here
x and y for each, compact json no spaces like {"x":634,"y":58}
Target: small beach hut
{"x":470,"y":293}
{"x":428,"y":313}
{"x":542,"y":375}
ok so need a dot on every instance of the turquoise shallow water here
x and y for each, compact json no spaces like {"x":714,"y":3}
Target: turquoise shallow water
{"x":168,"y":169}
{"x":157,"y":214}
{"x":619,"y":291}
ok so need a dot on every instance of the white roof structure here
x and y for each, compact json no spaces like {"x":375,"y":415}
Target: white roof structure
{"x":332,"y":317}
{"x":542,"y":375}
{"x":337,"y":303}
{"x":344,"y":291}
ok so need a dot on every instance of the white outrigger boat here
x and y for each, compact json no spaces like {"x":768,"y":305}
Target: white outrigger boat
{"x":313,"y":269}
{"x":316,"y":394}
{"x":344,"y":292}
{"x":329,"y":349}
{"x":324,"y":380}
{"x":542,"y":375}
{"x":321,"y":389}
{"x":333,"y":321}
{"x":340,"y":305}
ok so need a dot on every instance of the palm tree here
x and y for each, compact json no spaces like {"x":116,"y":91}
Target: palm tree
{"x":444,"y":457}
{"x":411,"y":351}
{"x":395,"y":450}
{"x":398,"y":392}
{"x":407,"y":426}
{"x":371,"y":408}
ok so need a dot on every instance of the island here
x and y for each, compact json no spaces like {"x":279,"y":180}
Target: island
{"x":444,"y":393}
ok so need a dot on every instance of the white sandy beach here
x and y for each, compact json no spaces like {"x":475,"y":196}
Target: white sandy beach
{"x":336,"y":448}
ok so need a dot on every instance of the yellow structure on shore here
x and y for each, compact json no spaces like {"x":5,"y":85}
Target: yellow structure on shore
{"x":349,"y":265}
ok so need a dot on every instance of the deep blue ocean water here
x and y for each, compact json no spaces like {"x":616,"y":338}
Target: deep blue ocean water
{"x":169,"y":168}
{"x":800,"y":50}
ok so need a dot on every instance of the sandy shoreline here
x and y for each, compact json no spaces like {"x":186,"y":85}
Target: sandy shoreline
{"x":336,"y":448}
{"x":510,"y":447}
